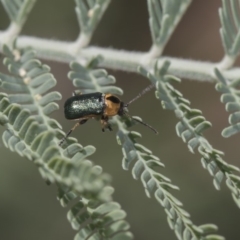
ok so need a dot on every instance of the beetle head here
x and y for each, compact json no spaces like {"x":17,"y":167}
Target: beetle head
{"x":123,"y":109}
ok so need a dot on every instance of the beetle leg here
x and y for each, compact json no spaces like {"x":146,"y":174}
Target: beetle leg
{"x":71,"y":130}
{"x":83,"y":121}
{"x":105,"y":124}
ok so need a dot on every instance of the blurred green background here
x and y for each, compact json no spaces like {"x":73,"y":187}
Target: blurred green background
{"x":28,"y":207}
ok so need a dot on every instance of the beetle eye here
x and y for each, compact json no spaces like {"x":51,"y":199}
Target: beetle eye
{"x":113,"y":99}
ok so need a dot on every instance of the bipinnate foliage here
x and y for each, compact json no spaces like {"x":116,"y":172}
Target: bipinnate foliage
{"x":33,"y":134}
{"x":27,"y":100}
{"x":30,"y":85}
{"x":146,"y":165}
{"x":89,"y":13}
{"x":89,"y":79}
{"x":159,"y":186}
{"x":230,"y":31}
{"x":163,"y":18}
{"x":18,"y":10}
{"x":190,"y":128}
{"x":231,"y":97}
{"x":94,"y":219}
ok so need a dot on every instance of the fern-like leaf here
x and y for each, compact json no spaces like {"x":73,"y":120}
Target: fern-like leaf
{"x":88,"y":79}
{"x":163,"y":18}
{"x":190,"y":129}
{"x":230,"y":31}
{"x":30,"y":84}
{"x":158,"y":185}
{"x":28,"y":138}
{"x":72,"y":171}
{"x":89,"y":13}
{"x":106,"y":216}
{"x":18,"y":10}
{"x":155,"y":184}
{"x":32,"y":134}
{"x":230,"y":97}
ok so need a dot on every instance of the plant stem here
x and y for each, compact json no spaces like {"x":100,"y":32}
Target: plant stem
{"x":123,"y":60}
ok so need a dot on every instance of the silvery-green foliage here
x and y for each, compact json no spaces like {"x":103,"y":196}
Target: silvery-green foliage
{"x":34,"y":141}
{"x":190,"y":128}
{"x":33,"y":134}
{"x":164,"y":15}
{"x":30,"y":83}
{"x":18,"y":10}
{"x":230,"y":31}
{"x":27,"y":100}
{"x":231,"y":97}
{"x":88,"y":79}
{"x":101,"y":220}
{"x":146,"y":165}
{"x":89,"y":13}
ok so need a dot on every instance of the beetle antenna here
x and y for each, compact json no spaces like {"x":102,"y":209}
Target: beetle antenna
{"x":143,"y":123}
{"x":147,"y":89}
{"x":146,"y":125}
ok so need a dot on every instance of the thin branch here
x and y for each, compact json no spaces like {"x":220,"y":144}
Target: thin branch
{"x":123,"y":60}
{"x":8,"y":36}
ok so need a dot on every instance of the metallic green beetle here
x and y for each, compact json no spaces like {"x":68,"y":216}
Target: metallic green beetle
{"x":82,"y":107}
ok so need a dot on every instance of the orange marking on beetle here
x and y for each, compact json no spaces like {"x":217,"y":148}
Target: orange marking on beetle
{"x":112,"y":108}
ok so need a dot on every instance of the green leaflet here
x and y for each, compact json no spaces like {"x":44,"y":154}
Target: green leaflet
{"x":31,"y":84}
{"x":230,"y":21}
{"x":34,"y":135}
{"x":163,"y":18}
{"x":35,"y":142}
{"x":155,"y":184}
{"x":107,"y":216}
{"x":92,"y":80}
{"x":89,"y":13}
{"x":190,"y":128}
{"x":88,"y":79}
{"x":18,"y":10}
{"x":192,"y":123}
{"x":230,"y":97}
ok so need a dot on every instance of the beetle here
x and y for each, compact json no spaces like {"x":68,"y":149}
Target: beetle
{"x":82,"y":107}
